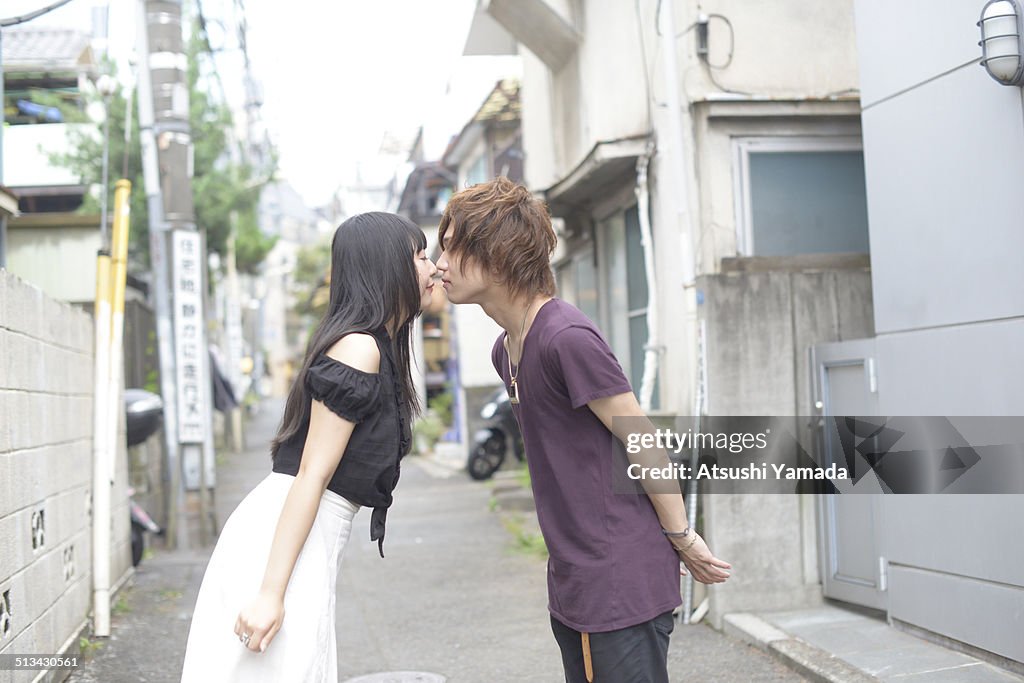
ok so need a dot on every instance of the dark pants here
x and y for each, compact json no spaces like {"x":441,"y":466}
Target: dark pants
{"x":636,"y":654}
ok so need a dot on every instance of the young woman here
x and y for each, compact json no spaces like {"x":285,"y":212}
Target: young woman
{"x":265,"y":611}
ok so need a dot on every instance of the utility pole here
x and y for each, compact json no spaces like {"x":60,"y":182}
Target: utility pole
{"x":175,"y":254}
{"x":679,"y":182}
{"x":677,"y":150}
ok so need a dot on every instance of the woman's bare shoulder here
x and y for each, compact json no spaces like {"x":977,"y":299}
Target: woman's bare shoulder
{"x":358,"y":350}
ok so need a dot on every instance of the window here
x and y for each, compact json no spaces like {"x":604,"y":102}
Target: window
{"x":625,"y":284}
{"x":577,"y":282}
{"x":800,"y":196}
{"x":636,"y":296}
{"x":477,"y":172}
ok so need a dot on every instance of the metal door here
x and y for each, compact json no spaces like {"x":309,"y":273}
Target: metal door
{"x":850,"y":525}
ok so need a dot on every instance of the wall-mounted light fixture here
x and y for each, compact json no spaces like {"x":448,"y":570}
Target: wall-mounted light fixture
{"x":1002,"y":45}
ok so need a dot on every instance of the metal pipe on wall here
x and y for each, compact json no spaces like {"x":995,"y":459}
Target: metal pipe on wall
{"x":652,"y":347}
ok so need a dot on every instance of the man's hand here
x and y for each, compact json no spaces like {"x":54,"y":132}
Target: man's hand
{"x":704,"y":566}
{"x":669,"y":507}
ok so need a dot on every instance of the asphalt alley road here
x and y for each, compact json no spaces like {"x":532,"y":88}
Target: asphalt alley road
{"x":452,"y":597}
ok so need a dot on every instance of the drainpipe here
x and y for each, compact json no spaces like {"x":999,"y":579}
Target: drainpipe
{"x":652,"y":347}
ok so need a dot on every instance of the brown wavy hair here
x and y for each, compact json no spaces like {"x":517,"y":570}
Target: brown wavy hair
{"x":499,"y":225}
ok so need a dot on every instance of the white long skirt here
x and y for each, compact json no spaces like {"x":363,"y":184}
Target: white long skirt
{"x":305,"y":648}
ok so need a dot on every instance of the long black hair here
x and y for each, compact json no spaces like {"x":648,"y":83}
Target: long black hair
{"x":373,"y":283}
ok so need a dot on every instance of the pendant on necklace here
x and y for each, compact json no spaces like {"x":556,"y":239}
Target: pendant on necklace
{"x":513,"y":393}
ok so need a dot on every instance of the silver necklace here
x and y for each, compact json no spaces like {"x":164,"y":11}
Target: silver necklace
{"x":513,"y":389}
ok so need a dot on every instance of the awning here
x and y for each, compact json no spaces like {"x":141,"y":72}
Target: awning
{"x":499,"y":24}
{"x":603,"y":170}
{"x":8,"y":202}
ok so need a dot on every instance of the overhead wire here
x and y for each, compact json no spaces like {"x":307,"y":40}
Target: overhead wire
{"x":21,"y":19}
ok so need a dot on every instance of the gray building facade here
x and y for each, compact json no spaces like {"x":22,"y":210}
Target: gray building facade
{"x":944,"y":166}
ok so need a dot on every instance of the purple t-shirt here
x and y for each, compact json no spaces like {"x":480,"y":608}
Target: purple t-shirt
{"x":609,"y":565}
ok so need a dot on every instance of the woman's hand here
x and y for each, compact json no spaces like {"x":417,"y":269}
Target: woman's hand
{"x":698,"y":559}
{"x":261,"y":619}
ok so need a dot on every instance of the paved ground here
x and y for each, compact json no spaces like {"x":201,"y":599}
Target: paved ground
{"x":453,"y":597}
{"x":837,"y":643}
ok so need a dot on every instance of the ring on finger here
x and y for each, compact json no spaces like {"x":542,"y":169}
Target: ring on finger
{"x":245,"y":638}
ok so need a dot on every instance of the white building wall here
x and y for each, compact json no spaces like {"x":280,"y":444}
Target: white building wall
{"x":475,"y":331}
{"x":677,"y":303}
{"x":784,"y":48}
{"x":276,"y":301}
{"x":541,"y":155}
{"x":59,"y":260}
{"x":476,"y":334}
{"x":600,"y":93}
{"x":283,"y":214}
{"x":612,"y":103}
{"x":27,"y":151}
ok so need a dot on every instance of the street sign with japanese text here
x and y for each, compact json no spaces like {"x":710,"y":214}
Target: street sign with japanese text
{"x":188,"y":337}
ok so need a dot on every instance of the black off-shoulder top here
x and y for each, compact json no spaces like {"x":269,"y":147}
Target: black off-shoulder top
{"x":371,"y":465}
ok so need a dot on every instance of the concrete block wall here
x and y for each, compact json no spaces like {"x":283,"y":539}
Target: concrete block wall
{"x":46,"y":427}
{"x":762,"y":316}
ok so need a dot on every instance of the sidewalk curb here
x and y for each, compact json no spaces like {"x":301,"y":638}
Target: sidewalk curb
{"x":807,"y":660}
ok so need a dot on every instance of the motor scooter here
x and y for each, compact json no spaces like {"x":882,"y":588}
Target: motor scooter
{"x":144,"y":413}
{"x":492,"y":443}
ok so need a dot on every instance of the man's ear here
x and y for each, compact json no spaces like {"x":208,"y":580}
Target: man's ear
{"x":496,"y":277}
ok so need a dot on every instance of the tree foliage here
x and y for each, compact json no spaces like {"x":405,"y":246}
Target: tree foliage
{"x":85,"y":158}
{"x":312,"y":264}
{"x":223,"y":189}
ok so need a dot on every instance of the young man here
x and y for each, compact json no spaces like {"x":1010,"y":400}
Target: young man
{"x":613,"y":569}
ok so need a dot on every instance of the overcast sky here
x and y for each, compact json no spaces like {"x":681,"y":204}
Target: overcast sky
{"x":336,"y":75}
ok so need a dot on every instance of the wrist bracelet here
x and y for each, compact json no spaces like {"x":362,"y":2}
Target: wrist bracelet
{"x":685,"y":532}
{"x":688,"y":545}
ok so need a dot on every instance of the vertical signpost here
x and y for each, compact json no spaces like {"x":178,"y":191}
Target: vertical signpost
{"x":188,"y":327}
{"x":191,"y":363}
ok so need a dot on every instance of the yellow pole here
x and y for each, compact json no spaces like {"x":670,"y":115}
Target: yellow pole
{"x":119,"y":276}
{"x":111,"y":276}
{"x":101,"y":446}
